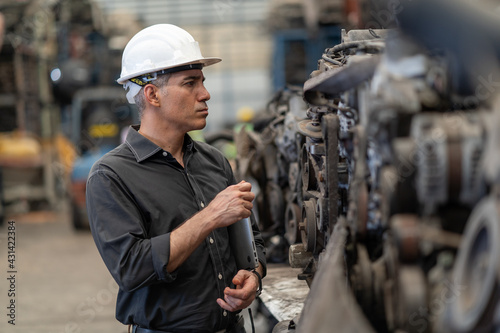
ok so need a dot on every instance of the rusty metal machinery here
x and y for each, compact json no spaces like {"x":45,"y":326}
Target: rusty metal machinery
{"x":389,"y":182}
{"x":28,"y":115}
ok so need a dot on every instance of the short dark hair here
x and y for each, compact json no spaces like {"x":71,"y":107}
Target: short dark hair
{"x":139,"y":99}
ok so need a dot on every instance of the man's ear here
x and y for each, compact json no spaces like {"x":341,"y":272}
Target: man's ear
{"x":151,"y":93}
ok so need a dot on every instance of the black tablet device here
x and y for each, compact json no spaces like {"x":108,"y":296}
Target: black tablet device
{"x":243,"y":244}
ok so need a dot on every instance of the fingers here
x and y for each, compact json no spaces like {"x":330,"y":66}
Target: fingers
{"x":239,"y":278}
{"x":243,"y":295}
{"x":246,"y":285}
{"x":239,"y":195}
{"x":232,"y":204}
{"x":244,"y":186}
{"x":229,"y":304}
{"x":247,"y":205}
{"x":247,"y":196}
{"x":244,"y":189}
{"x":232,"y":304}
{"x":241,"y":190}
{"x":240,"y":293}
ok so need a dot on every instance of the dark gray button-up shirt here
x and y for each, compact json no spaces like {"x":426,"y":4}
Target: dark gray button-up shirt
{"x":136,"y":195}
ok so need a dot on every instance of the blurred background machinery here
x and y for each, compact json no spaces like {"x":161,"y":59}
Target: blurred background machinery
{"x":52,"y":52}
{"x":384,"y":184}
{"x":100,"y":118}
{"x":28,"y":114}
{"x":374,"y":162}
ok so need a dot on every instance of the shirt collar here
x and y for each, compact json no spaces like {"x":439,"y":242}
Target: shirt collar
{"x":142,"y":148}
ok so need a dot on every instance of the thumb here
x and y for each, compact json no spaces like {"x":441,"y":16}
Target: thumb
{"x":239,"y":278}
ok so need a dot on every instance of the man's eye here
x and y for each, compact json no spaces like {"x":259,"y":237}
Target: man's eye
{"x":190,"y":83}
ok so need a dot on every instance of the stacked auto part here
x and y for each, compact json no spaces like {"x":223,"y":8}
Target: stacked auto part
{"x":421,"y":219}
{"x":420,"y":247}
{"x":388,"y":183}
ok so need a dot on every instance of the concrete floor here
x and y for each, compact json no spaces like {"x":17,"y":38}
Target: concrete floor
{"x":61,"y":284}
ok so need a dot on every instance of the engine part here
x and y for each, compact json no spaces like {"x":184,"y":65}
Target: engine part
{"x":384,"y":180}
{"x":448,"y":152}
{"x":293,"y":216}
{"x":477,"y":270}
{"x":298,"y":256}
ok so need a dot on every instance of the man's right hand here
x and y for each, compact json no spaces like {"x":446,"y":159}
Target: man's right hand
{"x":229,"y":206}
{"x":232,"y":204}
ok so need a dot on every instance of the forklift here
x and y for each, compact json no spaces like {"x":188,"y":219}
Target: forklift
{"x":100,"y":119}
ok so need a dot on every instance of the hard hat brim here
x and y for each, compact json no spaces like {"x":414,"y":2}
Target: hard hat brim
{"x":208,"y":61}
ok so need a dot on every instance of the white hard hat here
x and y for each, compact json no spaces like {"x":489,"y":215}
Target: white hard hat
{"x":159,"y":48}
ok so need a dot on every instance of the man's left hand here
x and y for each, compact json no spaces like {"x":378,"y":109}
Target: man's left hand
{"x":246,"y":288}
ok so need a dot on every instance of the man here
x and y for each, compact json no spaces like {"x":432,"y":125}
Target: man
{"x":159,"y":204}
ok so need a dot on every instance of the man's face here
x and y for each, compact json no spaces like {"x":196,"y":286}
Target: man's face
{"x":183,"y":101}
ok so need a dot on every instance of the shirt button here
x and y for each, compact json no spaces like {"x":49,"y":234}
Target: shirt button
{"x":211,"y":240}
{"x":220,"y":276}
{"x":202,"y":204}
{"x":165,"y":154}
{"x":224,"y":313}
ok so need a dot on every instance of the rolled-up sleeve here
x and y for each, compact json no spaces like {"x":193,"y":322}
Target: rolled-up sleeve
{"x":160,"y":248}
{"x":133,"y":259}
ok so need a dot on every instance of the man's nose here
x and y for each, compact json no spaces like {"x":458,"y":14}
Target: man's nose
{"x":204,"y":94}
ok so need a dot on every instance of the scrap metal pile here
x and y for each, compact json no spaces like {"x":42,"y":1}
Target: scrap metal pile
{"x":388,"y":180}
